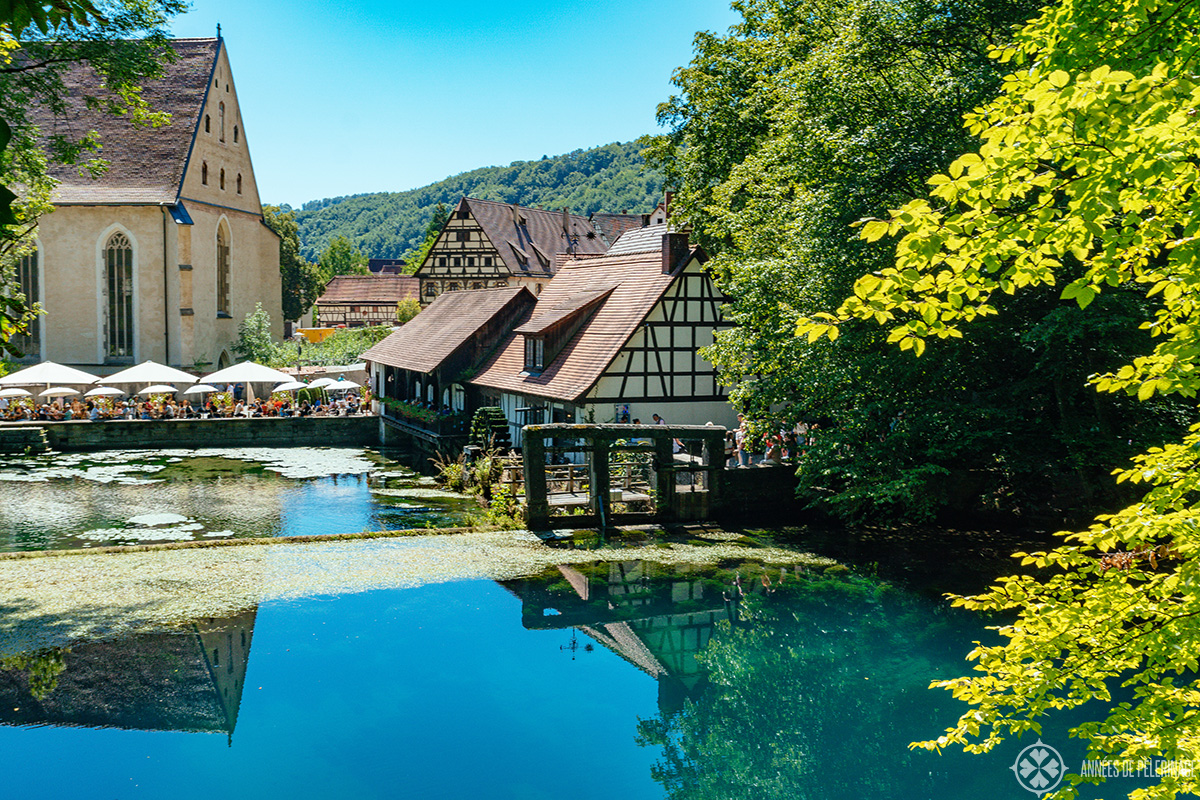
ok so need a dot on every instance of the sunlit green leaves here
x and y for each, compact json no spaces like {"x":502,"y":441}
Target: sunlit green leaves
{"x":1086,"y":174}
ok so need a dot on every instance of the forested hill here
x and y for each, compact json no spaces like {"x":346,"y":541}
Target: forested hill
{"x":611,"y":178}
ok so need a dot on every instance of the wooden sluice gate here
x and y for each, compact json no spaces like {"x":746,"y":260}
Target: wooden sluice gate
{"x":628,"y":474}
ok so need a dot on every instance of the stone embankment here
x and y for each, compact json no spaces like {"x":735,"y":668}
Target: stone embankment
{"x":77,"y":435}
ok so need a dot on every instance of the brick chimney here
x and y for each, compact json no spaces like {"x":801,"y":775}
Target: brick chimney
{"x":667,"y":198}
{"x":674,"y":250}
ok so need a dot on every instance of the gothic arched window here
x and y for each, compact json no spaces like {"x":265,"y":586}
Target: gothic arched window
{"x":221,"y":121}
{"x":223,"y":307}
{"x":118,"y":317}
{"x":29,"y":278}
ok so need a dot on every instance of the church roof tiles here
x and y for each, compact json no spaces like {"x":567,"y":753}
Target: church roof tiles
{"x":145,"y":165}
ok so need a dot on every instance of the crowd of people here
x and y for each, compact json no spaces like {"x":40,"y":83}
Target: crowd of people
{"x":777,"y":445}
{"x":169,"y":408}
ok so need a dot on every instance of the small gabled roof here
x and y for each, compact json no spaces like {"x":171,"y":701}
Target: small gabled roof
{"x":432,"y":336}
{"x":640,"y":240}
{"x":546,"y":317}
{"x":145,"y":165}
{"x":369,"y":290}
{"x":540,"y":232}
{"x":637,"y":283}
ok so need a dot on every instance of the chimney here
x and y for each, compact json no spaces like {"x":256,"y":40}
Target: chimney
{"x":645,"y":220}
{"x":667,"y":204}
{"x":674,"y":250}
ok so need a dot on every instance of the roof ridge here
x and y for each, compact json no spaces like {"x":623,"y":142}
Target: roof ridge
{"x":524,"y":208}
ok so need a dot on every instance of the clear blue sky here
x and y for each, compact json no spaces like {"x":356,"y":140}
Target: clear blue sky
{"x":347,"y":96}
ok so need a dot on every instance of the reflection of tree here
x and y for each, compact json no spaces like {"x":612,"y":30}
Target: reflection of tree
{"x":817,"y":693}
{"x":42,"y":668}
{"x":185,"y":680}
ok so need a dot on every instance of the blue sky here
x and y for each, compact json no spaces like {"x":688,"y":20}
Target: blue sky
{"x":365,"y":95}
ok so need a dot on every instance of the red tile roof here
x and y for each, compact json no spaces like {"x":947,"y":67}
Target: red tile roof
{"x":432,"y":336}
{"x":611,"y":226}
{"x":145,"y":165}
{"x":368,"y":290}
{"x":638,"y":284}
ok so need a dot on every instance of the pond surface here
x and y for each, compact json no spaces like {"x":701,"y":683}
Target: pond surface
{"x":624,"y":678}
{"x":129,"y":497}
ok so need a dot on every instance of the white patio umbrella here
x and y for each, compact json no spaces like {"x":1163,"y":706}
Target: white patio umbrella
{"x":159,"y":389}
{"x":104,"y":391}
{"x":200,"y":388}
{"x":290,"y":386}
{"x":15,"y":392}
{"x":149,"y":372}
{"x":321,"y":383}
{"x":47,"y":373}
{"x":338,"y":386}
{"x":59,"y":391}
{"x":247,"y":372}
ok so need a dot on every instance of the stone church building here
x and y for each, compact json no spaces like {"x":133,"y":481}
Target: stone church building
{"x":163,"y":255}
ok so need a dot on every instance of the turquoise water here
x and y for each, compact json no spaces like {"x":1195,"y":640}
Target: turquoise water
{"x":130,"y":497}
{"x":625,"y":679}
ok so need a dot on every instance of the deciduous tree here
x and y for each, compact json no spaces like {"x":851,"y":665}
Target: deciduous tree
{"x":302,"y":283}
{"x":810,"y":115}
{"x":1086,"y":179}
{"x":341,"y":257}
{"x":125,"y":43}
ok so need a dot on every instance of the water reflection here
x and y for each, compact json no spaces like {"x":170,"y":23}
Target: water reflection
{"x":655,"y":617}
{"x":191,"y":680}
{"x":778,"y":683}
{"x":136,"y":497}
{"x":771,"y":683}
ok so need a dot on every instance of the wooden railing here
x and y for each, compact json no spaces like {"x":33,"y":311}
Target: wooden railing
{"x":572,"y":478}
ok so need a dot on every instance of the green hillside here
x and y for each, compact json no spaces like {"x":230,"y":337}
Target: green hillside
{"x":389,"y":224}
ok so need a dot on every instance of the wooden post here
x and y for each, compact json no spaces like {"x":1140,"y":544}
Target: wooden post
{"x":664,"y":470}
{"x":537,"y":505}
{"x":714,"y":460}
{"x":601,"y":481}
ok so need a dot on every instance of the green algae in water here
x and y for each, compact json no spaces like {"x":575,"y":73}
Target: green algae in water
{"x":67,"y":501}
{"x":51,"y":601}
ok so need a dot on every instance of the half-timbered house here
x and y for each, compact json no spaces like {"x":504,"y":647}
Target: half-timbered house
{"x":487,"y":245}
{"x":615,"y":338}
{"x":359,"y":300}
{"x":419,"y":373}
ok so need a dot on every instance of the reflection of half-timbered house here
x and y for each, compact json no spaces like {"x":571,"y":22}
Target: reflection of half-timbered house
{"x":615,"y":338}
{"x":487,"y":245}
{"x":657,"y":620}
{"x":358,"y":300}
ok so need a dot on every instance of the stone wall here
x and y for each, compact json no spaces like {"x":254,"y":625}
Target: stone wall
{"x":357,"y":431}
{"x":758,"y":493}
